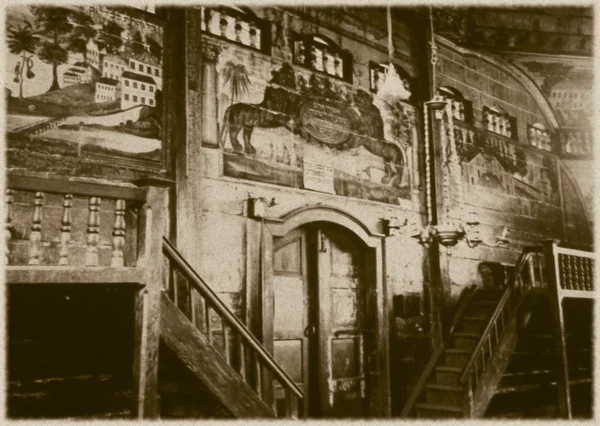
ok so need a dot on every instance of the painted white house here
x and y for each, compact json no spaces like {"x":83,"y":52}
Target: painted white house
{"x":113,"y":66}
{"x":138,"y":89}
{"x":107,"y":90}
{"x":146,"y":64}
{"x":95,"y":52}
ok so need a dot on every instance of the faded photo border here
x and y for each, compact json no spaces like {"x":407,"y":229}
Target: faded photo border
{"x":596,"y":192}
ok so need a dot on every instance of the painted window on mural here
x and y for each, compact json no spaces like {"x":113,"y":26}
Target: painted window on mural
{"x":539,"y":137}
{"x":462,"y":109}
{"x":496,"y":120}
{"x":67,"y":81}
{"x":378,"y":71}
{"x":238,"y":25}
{"x":321,"y":54}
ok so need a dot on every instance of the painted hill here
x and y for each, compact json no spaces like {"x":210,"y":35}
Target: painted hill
{"x":77,"y":99}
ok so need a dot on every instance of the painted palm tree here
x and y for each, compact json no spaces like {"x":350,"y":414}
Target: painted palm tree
{"x":23,"y":41}
{"x":236,"y":76}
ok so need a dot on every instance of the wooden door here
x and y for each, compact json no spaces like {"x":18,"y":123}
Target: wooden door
{"x":319,"y":324}
{"x":290,"y":312}
{"x":342,"y":326}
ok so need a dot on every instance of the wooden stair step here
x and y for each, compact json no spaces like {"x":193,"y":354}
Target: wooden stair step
{"x":474,"y":324}
{"x":476,"y":317}
{"x":445,"y":394}
{"x":425,"y":410}
{"x":447,"y":375}
{"x":451,"y":388}
{"x":465,"y":341}
{"x":456,"y":357}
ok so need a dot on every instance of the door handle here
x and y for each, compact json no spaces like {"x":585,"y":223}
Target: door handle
{"x":310,"y":330}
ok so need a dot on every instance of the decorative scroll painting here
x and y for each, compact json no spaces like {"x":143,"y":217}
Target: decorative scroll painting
{"x":85,"y":78}
{"x":289,"y":126}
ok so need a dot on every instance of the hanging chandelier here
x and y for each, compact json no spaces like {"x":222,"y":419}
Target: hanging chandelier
{"x":392,"y":88}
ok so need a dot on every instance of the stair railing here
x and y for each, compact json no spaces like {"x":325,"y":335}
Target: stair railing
{"x":571,"y":275}
{"x":522,"y":279}
{"x":463,"y":303}
{"x":231,"y":330}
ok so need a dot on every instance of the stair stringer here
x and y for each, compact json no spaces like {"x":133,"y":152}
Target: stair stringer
{"x":206,"y":363}
{"x":483,"y":393}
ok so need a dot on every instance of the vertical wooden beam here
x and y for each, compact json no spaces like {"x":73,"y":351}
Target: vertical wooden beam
{"x":147,"y":304}
{"x":560,"y":347}
{"x":268,"y":309}
{"x":375,"y":267}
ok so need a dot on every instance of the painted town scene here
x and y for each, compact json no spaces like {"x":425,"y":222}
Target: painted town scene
{"x":283,"y":124}
{"x":86,"y":76}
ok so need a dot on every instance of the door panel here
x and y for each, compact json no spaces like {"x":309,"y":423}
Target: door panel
{"x":341,"y":326}
{"x":319,"y":324}
{"x":290,"y":347}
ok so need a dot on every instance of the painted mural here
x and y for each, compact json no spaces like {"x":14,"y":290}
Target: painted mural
{"x":522,"y":182}
{"x":289,"y":126}
{"x":88,"y":77}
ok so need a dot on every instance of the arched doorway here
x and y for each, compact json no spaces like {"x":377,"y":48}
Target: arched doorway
{"x":324,"y":318}
{"x":286,"y":260}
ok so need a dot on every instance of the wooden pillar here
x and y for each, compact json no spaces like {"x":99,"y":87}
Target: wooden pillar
{"x":210,"y":56}
{"x":185,"y":71}
{"x":560,"y":346}
{"x":147,"y":304}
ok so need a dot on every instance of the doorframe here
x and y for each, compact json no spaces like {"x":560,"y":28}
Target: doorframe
{"x":259,"y":283}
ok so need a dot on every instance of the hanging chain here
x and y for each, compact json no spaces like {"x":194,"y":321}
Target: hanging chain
{"x":427,"y":166}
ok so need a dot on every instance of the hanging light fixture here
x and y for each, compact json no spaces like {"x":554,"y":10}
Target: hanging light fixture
{"x":450,"y":232}
{"x":392,"y":88}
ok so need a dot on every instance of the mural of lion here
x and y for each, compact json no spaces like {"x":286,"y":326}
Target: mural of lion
{"x":280,"y":104}
{"x":281,"y":107}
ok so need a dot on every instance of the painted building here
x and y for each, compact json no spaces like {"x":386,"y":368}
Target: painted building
{"x":113,"y":66}
{"x":287,"y":235}
{"x":108,"y":90}
{"x":95,"y":52}
{"x":138,"y":89}
{"x":146,"y":64}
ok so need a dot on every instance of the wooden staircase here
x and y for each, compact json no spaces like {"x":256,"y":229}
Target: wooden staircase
{"x":489,"y":332}
{"x":213,"y":344}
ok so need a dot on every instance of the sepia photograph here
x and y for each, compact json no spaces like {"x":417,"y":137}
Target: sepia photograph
{"x":299,"y":211}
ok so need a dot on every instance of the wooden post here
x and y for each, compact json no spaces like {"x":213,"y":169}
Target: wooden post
{"x":118,"y":234}
{"x":91,"y":253}
{"x":560,"y":347}
{"x":35,"y":238}
{"x":65,"y":230}
{"x":8,"y":226}
{"x":147,"y":304}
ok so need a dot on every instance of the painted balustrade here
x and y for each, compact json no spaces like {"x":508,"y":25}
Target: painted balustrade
{"x":58,"y":223}
{"x":232,"y":25}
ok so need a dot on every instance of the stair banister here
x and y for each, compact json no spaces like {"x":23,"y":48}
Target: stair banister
{"x":235,"y":323}
{"x":462,"y":306}
{"x":510,"y":288}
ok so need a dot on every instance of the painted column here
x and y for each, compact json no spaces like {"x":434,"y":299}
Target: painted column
{"x":210,"y":56}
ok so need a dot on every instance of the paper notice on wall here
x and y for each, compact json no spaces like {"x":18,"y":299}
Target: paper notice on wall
{"x":318,"y":176}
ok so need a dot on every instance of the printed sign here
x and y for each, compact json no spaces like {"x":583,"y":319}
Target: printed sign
{"x":318,"y":176}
